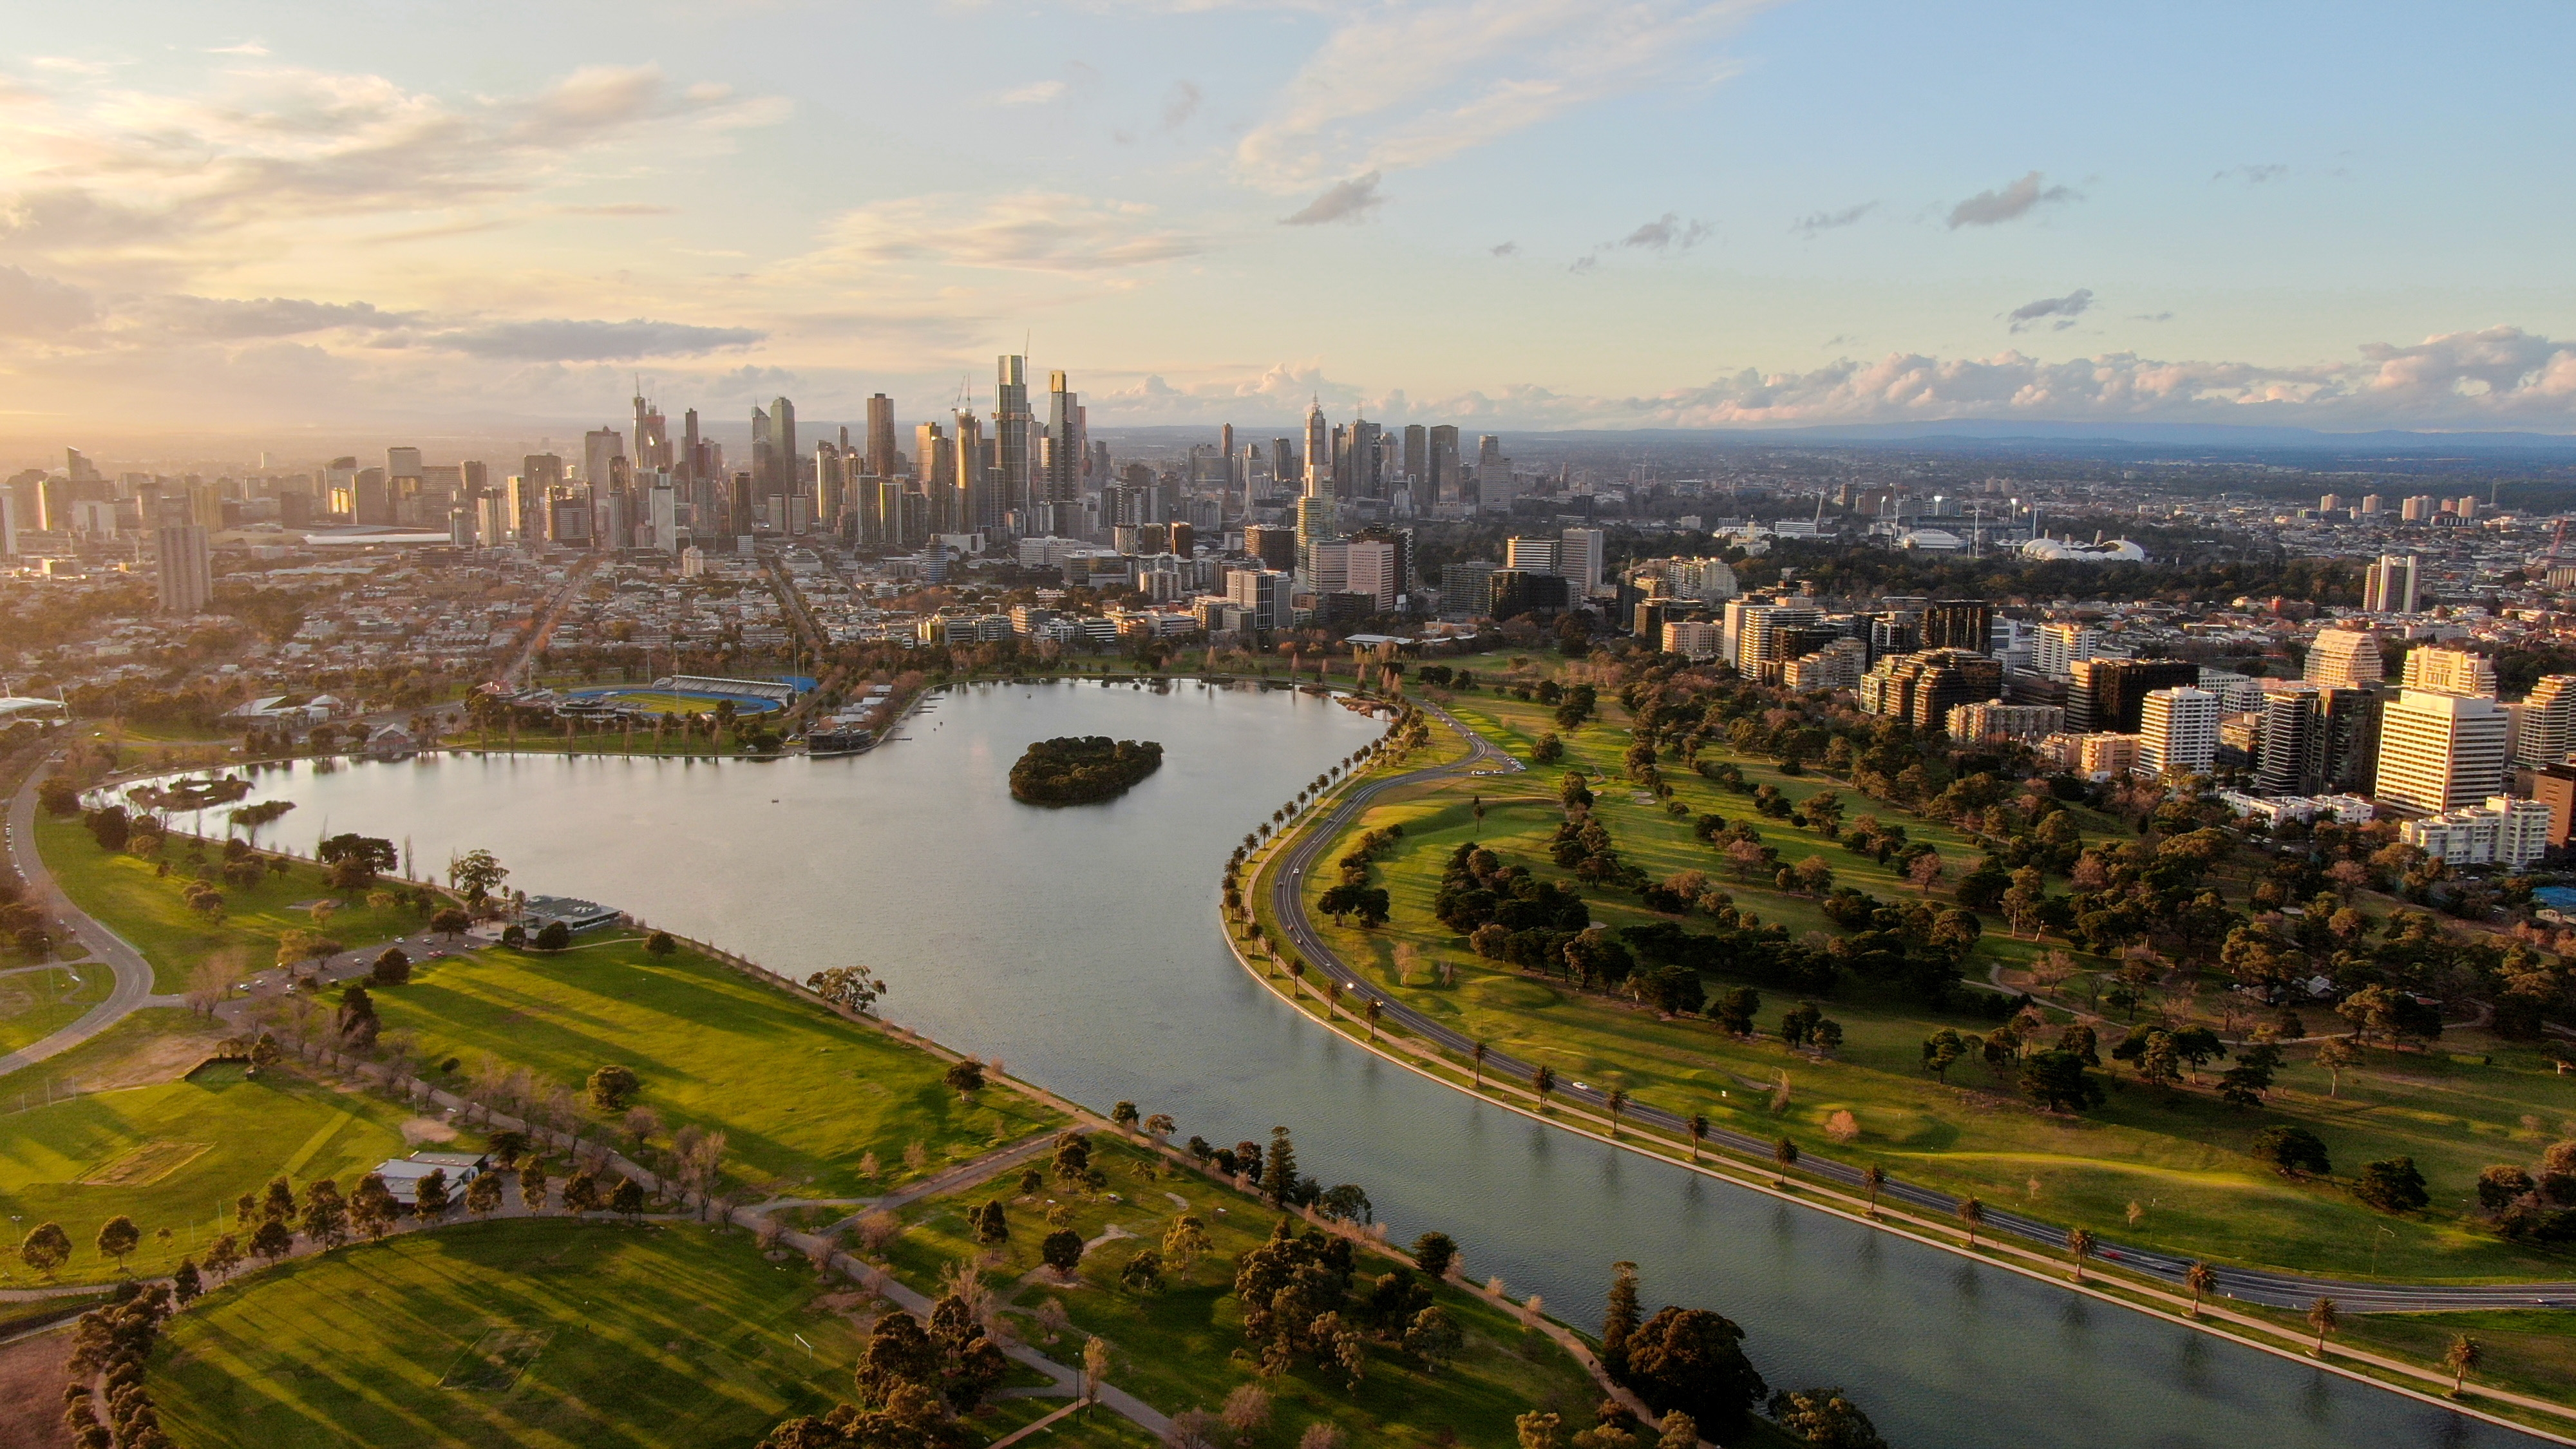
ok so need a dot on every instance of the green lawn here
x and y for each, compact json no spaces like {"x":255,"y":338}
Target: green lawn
{"x":36,"y":1003}
{"x":642,"y":1337}
{"x":1177,"y":1349}
{"x":132,"y":898}
{"x":175,"y":1156}
{"x":801,"y":1094}
{"x":2179,"y":1157}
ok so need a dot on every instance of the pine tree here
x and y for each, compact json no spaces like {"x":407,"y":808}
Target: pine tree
{"x":1622,"y":1319}
{"x":1281,"y":1181}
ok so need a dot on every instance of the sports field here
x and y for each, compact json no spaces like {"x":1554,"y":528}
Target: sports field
{"x":669,"y":701}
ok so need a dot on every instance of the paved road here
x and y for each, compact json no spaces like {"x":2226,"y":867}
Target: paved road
{"x":2250,"y":1285}
{"x":133,"y":973}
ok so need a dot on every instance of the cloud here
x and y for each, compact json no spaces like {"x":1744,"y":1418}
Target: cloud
{"x":2252,"y":175}
{"x":1993,"y":208}
{"x":1814,"y":222}
{"x":247,"y":47}
{"x":1667,"y":233}
{"x":620,"y":208}
{"x":565,"y":340}
{"x":38,"y":306}
{"x":2151,"y":316}
{"x":1182,"y":104}
{"x":1035,"y":93}
{"x":227,"y":319}
{"x":1034,"y":231}
{"x":2065,"y":309}
{"x":1350,"y":201}
{"x":1506,"y":249}
{"x":1586,"y":264}
{"x":1398,"y":86}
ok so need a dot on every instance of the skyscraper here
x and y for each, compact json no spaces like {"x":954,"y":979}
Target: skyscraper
{"x":652,"y":441}
{"x":2178,"y":732}
{"x":1417,"y":457}
{"x":2345,"y":658}
{"x":1011,"y":426}
{"x":2548,"y":722}
{"x":1064,"y":443}
{"x":1447,"y":483}
{"x":186,"y":568}
{"x":1961,"y":624}
{"x":1225,"y":447}
{"x":881,"y":438}
{"x":2291,"y":758}
{"x":975,"y":476}
{"x":764,"y":449}
{"x":2451,"y":671}
{"x":1365,"y":480}
{"x":2438,"y":752}
{"x":1579,"y":557}
{"x":690,"y":465}
{"x":1319,"y":451}
{"x":2109,"y":696}
{"x":2061,"y":645}
{"x":2393,"y":585}
{"x":782,"y":453}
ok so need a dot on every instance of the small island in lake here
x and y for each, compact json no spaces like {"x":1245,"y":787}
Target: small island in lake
{"x":1082,"y":769}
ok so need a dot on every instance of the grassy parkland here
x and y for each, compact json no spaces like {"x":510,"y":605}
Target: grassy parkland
{"x":2167,"y":1166}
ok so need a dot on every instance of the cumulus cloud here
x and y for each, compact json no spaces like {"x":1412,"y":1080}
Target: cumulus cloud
{"x":1397,"y":86}
{"x":1667,"y":233}
{"x":1815,"y":222}
{"x":566,"y":340}
{"x":1505,"y":249}
{"x":1036,"y":231}
{"x":39,"y":306}
{"x":2010,"y":203}
{"x":1350,"y":201}
{"x":2064,"y":309}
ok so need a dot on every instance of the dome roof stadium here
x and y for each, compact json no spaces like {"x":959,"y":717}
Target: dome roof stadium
{"x":2057,"y":550}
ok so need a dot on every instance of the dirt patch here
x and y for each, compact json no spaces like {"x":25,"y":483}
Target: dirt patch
{"x":145,"y":1165}
{"x":153,"y":1061}
{"x":427,"y":1129}
{"x":31,"y":1393}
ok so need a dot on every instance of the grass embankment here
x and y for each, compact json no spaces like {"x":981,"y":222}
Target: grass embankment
{"x":131,"y":897}
{"x":802,"y":1095}
{"x":526,"y":1332}
{"x":1181,"y":1348}
{"x":37,"y":1001}
{"x":2179,"y":1156}
{"x":174,"y":1154}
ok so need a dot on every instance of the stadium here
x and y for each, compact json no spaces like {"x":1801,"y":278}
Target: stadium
{"x":690,"y":694}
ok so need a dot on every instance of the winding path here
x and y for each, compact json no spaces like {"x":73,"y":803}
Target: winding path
{"x":133,"y":974}
{"x":2249,"y":1285}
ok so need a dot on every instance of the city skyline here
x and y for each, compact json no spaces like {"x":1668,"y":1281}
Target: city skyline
{"x":1212,"y":212}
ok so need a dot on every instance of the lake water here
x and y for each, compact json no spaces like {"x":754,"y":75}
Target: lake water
{"x":1082,"y":946}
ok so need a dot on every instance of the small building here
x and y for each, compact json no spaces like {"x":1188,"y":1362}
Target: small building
{"x":403,"y":1175}
{"x":2505,"y":831}
{"x":538,"y":912}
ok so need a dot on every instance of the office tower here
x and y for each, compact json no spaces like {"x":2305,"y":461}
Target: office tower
{"x":1402,"y":540}
{"x":1264,"y":594}
{"x":2291,"y":759}
{"x":1489,"y":449}
{"x":2109,"y":696}
{"x":782,"y":446}
{"x":689,"y":465}
{"x":1011,"y":427}
{"x":881,"y":450}
{"x":2061,"y":645}
{"x":652,"y":439}
{"x":1064,"y":443}
{"x":9,"y":523}
{"x":1225,"y":450}
{"x":1534,"y":555}
{"x":1371,"y":567}
{"x":1285,"y":471}
{"x":1363,"y":479}
{"x":1447,"y":475}
{"x":1579,"y":557}
{"x":1315,"y":524}
{"x":932,"y":462}
{"x":187,"y":568}
{"x":2548,"y":722}
{"x":78,"y":468}
{"x":1467,"y":589}
{"x":2438,"y":752}
{"x":372,"y":499}
{"x":2370,"y":506}
{"x":600,"y":448}
{"x":2450,"y":671}
{"x":2345,"y":658}
{"x":974,"y":477}
{"x":2418,"y":509}
{"x":831,"y":483}
{"x":402,"y":471}
{"x":1318,"y":462}
{"x":2393,"y":585}
{"x":1518,"y":591}
{"x":1959,"y":624}
{"x":2178,"y":732}
{"x":1417,"y":457}
{"x":1276,"y":547}
{"x":2555,"y":787}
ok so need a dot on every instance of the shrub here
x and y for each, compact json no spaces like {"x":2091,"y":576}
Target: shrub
{"x":2392,"y":1185}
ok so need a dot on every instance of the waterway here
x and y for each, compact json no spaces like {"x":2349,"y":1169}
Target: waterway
{"x":1082,"y":947}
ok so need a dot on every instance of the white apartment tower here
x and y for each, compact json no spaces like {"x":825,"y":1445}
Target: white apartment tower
{"x":2061,"y":646}
{"x":2345,"y":659}
{"x":2548,"y":722}
{"x":2440,"y":751}
{"x":2178,"y":732}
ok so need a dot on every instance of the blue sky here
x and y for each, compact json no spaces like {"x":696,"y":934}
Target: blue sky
{"x":1517,"y":214}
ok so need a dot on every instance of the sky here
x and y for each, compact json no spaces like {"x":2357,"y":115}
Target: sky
{"x":1500,"y":213}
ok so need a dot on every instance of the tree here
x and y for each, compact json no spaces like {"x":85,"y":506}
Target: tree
{"x":1678,"y":1432}
{"x":187,"y":1284}
{"x":1433,"y":1337}
{"x":1620,"y":1321}
{"x":273,"y":1241}
{"x":118,"y":1239}
{"x":429,"y":1196}
{"x":1697,"y":1127}
{"x":2392,"y":1185}
{"x":661,"y":943}
{"x":1824,"y":1419}
{"x":554,"y":936}
{"x":1143,"y":1273}
{"x":853,"y":988}
{"x":45,"y":1248}
{"x":1941,"y":1051}
{"x":223,"y":1255}
{"x":1539,"y":1431}
{"x":965,"y":1077}
{"x":2201,"y":1279}
{"x":1617,"y":1102}
{"x":483,"y":1194}
{"x":1972,"y":1215}
{"x":2291,"y":1151}
{"x":612,"y":1087}
{"x":326,"y":1214}
{"x":1784,"y":1154}
{"x":1185,"y":1241}
{"x":1433,"y":1253}
{"x":1247,"y":1411}
{"x":1693,"y":1360}
{"x":476,"y":874}
{"x":1280,"y":1181}
{"x":627,"y":1198}
{"x":2324,"y":1319}
{"x":450,"y":923}
{"x":1542,"y":1082}
{"x":992,"y":1224}
{"x":581,"y":1193}
{"x":1874,"y":1178}
{"x":2336,"y":1054}
{"x":2057,"y":1081}
{"x":391,"y":968}
{"x":2463,"y":1355}
{"x":2079,"y":1246}
{"x":1062,"y":1251}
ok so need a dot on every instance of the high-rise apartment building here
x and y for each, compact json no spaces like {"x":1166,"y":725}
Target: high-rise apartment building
{"x":1318,"y":459}
{"x":2393,"y":585}
{"x":1417,"y":458}
{"x":1065,"y":445}
{"x":186,"y":566}
{"x":2060,"y":646}
{"x":1264,"y":594}
{"x":881,"y":450}
{"x":2439,"y":751}
{"x":1923,"y":688}
{"x":2109,"y":696}
{"x":2178,"y":732}
{"x":2345,"y":658}
{"x":1761,"y":635}
{"x":1012,"y":424}
{"x":1535,"y":555}
{"x":1446,"y":479}
{"x":2548,"y":722}
{"x":1959,"y":624}
{"x":2451,"y":671}
{"x":782,"y":452}
{"x":976,"y":476}
{"x":1579,"y":556}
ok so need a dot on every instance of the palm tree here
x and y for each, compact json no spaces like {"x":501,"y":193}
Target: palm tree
{"x":2463,"y":1355}
{"x":1873,"y":1177}
{"x":1618,"y":1103}
{"x":1698,"y":1125}
{"x":2200,"y":1278}
{"x":1543,"y":1081}
{"x":1971,"y":1214}
{"x":1785,"y":1153}
{"x":1480,"y":1066}
{"x":1333,"y":999}
{"x":2323,"y":1318}
{"x":1375,"y":1009}
{"x":2079,"y":1245}
{"x":1296,"y":977}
